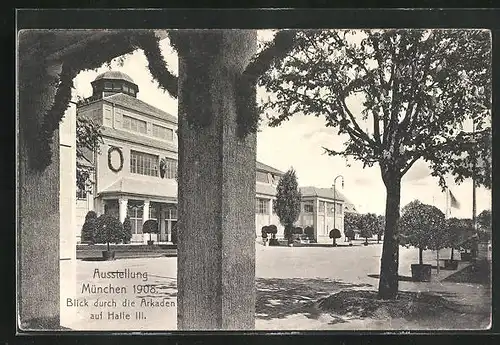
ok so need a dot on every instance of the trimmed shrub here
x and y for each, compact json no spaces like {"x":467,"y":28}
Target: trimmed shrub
{"x":127,"y":230}
{"x":174,"y":234}
{"x":150,"y":226}
{"x":108,"y":230}
{"x":309,"y":231}
{"x":89,"y":228}
{"x":264,"y":232}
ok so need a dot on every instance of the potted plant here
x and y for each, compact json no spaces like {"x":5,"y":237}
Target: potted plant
{"x":264,"y":235}
{"x":309,"y":231}
{"x":273,"y":230}
{"x":108,"y":230}
{"x":456,"y":229}
{"x":334,"y":234}
{"x":150,"y":226}
{"x":420,"y":225}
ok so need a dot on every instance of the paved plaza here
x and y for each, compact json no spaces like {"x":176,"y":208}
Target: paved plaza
{"x":287,"y":279}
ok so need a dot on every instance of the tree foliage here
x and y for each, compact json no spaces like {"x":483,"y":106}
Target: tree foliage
{"x":423,"y":226}
{"x":127,"y":230}
{"x":108,"y":230}
{"x":396,"y":96}
{"x":484,"y":220}
{"x":89,"y":228}
{"x":88,"y":140}
{"x":459,"y":230}
{"x":415,"y":87}
{"x":287,"y":203}
{"x":368,"y":225}
{"x":351,"y":221}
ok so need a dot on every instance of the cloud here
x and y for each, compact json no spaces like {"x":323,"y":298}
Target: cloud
{"x":417,"y":172}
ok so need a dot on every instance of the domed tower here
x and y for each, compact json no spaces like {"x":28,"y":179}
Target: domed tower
{"x":112,"y":82}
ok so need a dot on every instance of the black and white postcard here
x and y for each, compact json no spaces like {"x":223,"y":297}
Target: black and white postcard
{"x":242,"y":179}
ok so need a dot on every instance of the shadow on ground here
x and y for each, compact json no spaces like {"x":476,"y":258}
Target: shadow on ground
{"x":279,"y":298}
{"x":477,"y":273}
{"x":410,"y":306}
{"x":400,"y":278}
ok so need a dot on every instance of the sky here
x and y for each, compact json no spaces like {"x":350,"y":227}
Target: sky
{"x":299,"y":143}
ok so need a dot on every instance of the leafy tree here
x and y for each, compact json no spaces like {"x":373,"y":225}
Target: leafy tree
{"x":351,"y":224}
{"x":381,"y":227}
{"x":88,"y":140}
{"x":484,"y":220}
{"x":89,"y":227}
{"x":423,"y":226}
{"x":309,"y":231}
{"x":396,"y":96}
{"x":368,"y":225}
{"x":109,"y":230}
{"x":287,"y":203}
{"x":127,"y":230}
{"x":458,"y":231}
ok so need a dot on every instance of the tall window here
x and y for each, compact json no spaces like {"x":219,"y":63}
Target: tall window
{"x":338,"y":208}
{"x":262,"y":206}
{"x":143,"y":163}
{"x":321,"y":208}
{"x":308,"y":208}
{"x":262,"y":177}
{"x":135,"y":212}
{"x":81,"y":194}
{"x":163,"y":132}
{"x":170,"y":168}
{"x":134,"y":125}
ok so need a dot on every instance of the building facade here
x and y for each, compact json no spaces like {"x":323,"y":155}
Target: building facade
{"x":135,"y":170}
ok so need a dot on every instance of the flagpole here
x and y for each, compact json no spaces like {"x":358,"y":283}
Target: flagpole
{"x":474,"y":189}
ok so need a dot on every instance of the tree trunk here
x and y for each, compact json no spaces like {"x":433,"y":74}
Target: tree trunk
{"x":388,"y":284}
{"x":451,"y":256}
{"x":437,"y":259}
{"x":420,"y":253}
{"x":216,"y":227}
{"x":38,"y":235}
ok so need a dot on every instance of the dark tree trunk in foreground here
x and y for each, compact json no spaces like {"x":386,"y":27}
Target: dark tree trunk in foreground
{"x":388,"y":284}
{"x":451,"y":256}
{"x":216,"y":228}
{"x":420,"y":254}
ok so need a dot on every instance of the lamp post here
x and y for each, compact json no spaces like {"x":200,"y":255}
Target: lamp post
{"x":335,"y":196}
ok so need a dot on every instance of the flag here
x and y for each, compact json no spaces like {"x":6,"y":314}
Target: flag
{"x":453,"y":201}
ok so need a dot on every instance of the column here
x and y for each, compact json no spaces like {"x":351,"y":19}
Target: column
{"x":38,"y":205}
{"x":316,"y":218}
{"x":270,"y":211}
{"x":216,"y":250}
{"x":325,"y":217}
{"x":145,"y":211}
{"x":122,"y":208}
{"x":67,"y":206}
{"x":145,"y":216}
{"x":161,"y":223}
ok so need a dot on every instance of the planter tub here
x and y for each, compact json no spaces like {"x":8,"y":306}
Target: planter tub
{"x":450,"y":264}
{"x":108,"y":255}
{"x":421,"y":273}
{"x":466,"y":256}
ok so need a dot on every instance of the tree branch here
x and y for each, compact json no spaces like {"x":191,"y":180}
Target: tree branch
{"x":283,"y":42}
{"x":150,"y":44}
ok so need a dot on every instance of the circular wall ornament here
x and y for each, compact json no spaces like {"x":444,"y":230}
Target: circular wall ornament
{"x":115,"y":159}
